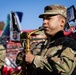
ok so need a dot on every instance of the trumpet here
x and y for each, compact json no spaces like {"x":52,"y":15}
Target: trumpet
{"x":21,"y":55}
{"x":29,"y":39}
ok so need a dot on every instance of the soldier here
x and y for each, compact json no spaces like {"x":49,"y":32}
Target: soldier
{"x":57,"y":55}
{"x":2,"y":58}
{"x":39,"y":36}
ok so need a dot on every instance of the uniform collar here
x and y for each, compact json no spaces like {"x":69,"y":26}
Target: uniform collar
{"x":57,"y":35}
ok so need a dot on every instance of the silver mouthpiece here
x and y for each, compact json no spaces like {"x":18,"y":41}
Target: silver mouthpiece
{"x":41,"y":28}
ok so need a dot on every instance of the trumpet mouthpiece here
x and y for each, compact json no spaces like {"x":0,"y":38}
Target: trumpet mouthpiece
{"x":41,"y":28}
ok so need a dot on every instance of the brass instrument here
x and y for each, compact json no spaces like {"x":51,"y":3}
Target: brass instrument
{"x":27,"y":49}
{"x":28,"y":38}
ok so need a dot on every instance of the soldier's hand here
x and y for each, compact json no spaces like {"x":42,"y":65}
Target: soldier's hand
{"x":29,"y":57}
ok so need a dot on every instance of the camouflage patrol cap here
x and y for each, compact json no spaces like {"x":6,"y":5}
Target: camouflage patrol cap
{"x":53,"y":10}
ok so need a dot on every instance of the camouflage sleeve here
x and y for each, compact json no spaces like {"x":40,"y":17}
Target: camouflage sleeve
{"x":66,"y":61}
{"x":41,"y":62}
{"x":2,"y":55}
{"x":62,"y":64}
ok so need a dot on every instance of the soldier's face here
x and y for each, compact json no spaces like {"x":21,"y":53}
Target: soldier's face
{"x":52,"y":24}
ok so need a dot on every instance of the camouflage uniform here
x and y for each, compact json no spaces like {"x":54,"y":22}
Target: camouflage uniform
{"x":56,"y":56}
{"x":2,"y":56}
